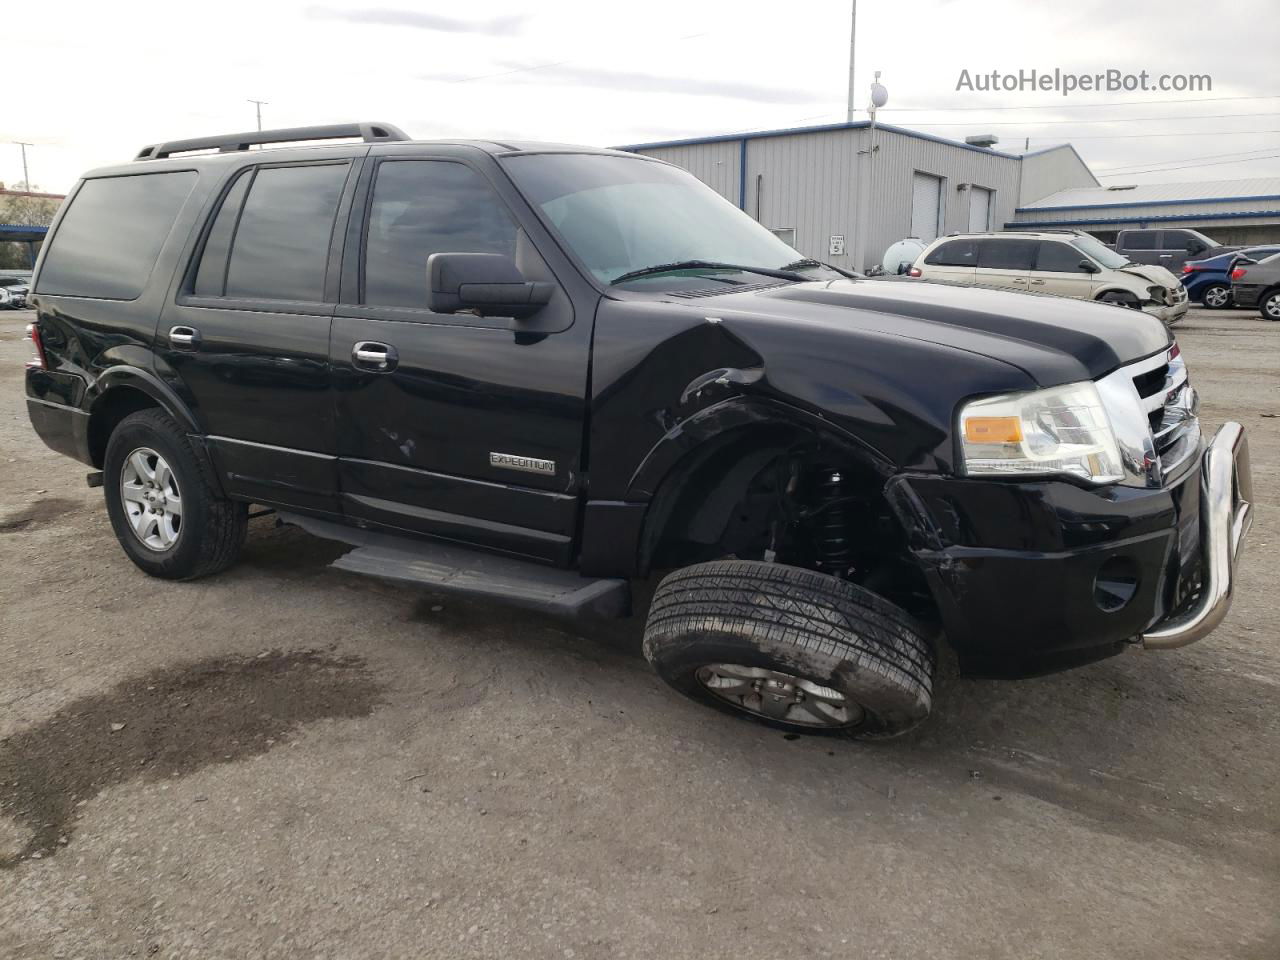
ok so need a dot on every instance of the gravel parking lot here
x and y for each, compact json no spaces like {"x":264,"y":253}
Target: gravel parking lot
{"x":286,"y":760}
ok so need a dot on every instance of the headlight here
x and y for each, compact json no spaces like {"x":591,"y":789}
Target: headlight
{"x":1062,"y":430}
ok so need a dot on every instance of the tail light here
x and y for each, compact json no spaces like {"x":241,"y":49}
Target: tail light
{"x":915,"y":272}
{"x":1175,"y":351}
{"x":39,"y":361}
{"x":1188,"y":268}
{"x":1238,"y":273}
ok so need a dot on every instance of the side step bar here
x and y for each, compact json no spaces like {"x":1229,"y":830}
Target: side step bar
{"x":454,"y":568}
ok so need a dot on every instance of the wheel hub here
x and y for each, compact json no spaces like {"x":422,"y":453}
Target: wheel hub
{"x":151,"y":499}
{"x":779,"y":696}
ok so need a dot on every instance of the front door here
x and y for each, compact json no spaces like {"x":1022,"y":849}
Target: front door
{"x":247,"y":341}
{"x":1058,"y":270}
{"x":462,"y":427}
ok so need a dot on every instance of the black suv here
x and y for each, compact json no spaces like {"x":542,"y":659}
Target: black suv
{"x":538,"y":372}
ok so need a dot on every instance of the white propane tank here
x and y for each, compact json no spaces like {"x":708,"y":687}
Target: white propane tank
{"x":899,"y":257}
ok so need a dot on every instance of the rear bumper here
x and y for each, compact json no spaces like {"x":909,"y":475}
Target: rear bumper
{"x":1033,"y":577}
{"x":1226,"y":513}
{"x":62,"y":428}
{"x":1246,"y":295}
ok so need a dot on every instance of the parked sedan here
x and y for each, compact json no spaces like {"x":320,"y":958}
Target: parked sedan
{"x":13,"y":293}
{"x":1258,"y":285}
{"x":1209,"y":280}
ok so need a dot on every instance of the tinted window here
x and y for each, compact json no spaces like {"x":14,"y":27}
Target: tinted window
{"x":421,"y":207}
{"x":111,"y":235}
{"x":1140,"y":240}
{"x":281,"y":244}
{"x":1058,"y":257}
{"x":211,"y":278}
{"x":1006,"y":254}
{"x":954,"y":253}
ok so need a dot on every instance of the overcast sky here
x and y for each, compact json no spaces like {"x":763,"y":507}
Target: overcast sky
{"x":89,"y":83}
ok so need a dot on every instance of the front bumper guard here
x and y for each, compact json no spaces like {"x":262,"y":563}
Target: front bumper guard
{"x":1226,"y":512}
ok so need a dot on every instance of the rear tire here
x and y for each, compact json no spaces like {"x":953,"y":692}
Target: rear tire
{"x":1269,"y":306}
{"x":1216,"y":296}
{"x":794,"y":649}
{"x":150,"y":466}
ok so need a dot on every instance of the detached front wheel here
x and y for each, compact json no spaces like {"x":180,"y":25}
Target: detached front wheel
{"x":791,"y":648}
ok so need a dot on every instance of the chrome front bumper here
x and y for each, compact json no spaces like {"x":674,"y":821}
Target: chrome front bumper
{"x":1226,"y":511}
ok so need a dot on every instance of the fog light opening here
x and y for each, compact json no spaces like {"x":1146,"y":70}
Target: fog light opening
{"x":1115,"y":585}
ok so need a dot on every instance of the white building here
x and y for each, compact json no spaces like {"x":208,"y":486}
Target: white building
{"x":803,"y":183}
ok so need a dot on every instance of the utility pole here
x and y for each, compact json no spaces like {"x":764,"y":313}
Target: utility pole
{"x":258,"y":107}
{"x":853,"y":37}
{"x":26,"y":179}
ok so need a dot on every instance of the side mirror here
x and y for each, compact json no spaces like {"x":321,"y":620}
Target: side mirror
{"x":488,"y":283}
{"x":1088,"y":266}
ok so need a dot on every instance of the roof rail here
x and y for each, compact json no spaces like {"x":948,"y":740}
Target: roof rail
{"x":234,"y":142}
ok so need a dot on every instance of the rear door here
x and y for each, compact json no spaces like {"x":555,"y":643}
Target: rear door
{"x":1057,"y":270}
{"x":247,"y":340}
{"x":952,"y":262}
{"x":1005,"y":262}
{"x":471,"y":429}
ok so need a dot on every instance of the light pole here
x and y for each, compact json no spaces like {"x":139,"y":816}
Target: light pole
{"x":258,"y":104}
{"x":879,"y":97}
{"x":853,"y":36}
{"x":26,"y":179}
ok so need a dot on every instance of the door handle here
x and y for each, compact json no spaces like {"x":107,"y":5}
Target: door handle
{"x":184,"y":338}
{"x":1037,"y":282}
{"x":1166,"y":256}
{"x":371,"y":355}
{"x":1019,"y":279}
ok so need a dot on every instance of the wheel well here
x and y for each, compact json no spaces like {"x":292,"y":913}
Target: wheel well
{"x":760,"y":493}
{"x":112,"y":407}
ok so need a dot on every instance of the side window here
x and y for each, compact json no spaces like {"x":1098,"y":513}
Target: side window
{"x":1140,"y":240}
{"x":954,"y":253}
{"x":421,"y":207}
{"x":1006,"y":254}
{"x":1174,"y":240}
{"x":274,"y":246}
{"x":110,"y":237}
{"x":1057,"y":257}
{"x":211,"y":276}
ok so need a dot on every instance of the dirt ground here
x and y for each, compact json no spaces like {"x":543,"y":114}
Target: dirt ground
{"x":289,"y":761}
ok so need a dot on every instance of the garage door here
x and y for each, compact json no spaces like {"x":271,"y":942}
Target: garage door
{"x":979,"y":209}
{"x":926,"y":204}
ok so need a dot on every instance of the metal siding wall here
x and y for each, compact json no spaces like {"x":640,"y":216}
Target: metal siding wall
{"x":895,"y":164}
{"x":715,"y":164}
{"x":1046,"y":173}
{"x":809,"y":184}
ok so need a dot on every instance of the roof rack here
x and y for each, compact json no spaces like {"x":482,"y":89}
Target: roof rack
{"x":234,"y":142}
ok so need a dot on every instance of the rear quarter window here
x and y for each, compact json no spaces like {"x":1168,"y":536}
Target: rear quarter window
{"x":108,"y":240}
{"x":954,"y":253}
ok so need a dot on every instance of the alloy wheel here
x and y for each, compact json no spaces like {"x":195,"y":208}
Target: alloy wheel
{"x":151,"y":498}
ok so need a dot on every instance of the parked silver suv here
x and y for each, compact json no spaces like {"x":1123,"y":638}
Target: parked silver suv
{"x":1067,"y":264}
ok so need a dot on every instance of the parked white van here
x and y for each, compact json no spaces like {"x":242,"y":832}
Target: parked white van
{"x":1068,"y":264}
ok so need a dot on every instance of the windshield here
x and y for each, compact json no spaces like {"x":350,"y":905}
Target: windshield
{"x":620,"y":215}
{"x":1100,"y":252}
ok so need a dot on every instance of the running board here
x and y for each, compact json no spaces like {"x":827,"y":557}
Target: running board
{"x":453,"y":568}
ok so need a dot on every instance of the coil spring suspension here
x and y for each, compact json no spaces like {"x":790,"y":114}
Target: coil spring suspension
{"x":833,"y":515}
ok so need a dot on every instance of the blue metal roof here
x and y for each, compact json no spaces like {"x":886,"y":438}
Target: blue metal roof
{"x":1209,"y":215}
{"x":23,"y":231}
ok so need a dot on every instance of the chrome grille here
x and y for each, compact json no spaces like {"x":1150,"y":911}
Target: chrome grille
{"x":1171,"y":406}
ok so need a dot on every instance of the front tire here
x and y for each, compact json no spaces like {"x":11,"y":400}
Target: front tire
{"x":1216,"y":296}
{"x":794,"y":649}
{"x":167,"y":515}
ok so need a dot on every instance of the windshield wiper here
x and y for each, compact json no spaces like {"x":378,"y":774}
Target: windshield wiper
{"x":705,"y":265}
{"x":810,"y":262}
